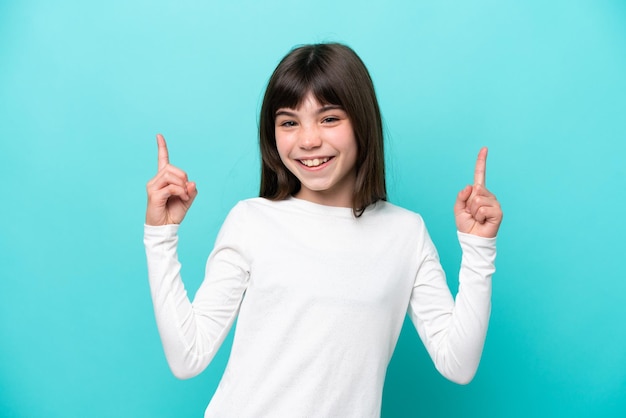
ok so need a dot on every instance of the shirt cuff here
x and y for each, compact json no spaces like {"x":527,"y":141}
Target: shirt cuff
{"x":159,"y":234}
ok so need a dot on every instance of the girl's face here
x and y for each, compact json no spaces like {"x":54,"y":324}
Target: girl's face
{"x":317,"y":144}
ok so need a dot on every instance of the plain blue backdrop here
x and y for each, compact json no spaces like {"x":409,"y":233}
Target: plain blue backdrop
{"x":85,"y":86}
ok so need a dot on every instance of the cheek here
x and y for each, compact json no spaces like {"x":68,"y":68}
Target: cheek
{"x":349,"y":143}
{"x":280,"y":147}
{"x":283,"y":145}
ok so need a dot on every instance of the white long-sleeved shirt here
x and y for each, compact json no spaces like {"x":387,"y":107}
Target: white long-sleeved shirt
{"x":320,"y":298}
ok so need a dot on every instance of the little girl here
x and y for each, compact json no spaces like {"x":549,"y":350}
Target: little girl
{"x":320,"y":270}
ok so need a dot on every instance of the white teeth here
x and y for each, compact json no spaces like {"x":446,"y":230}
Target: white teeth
{"x":314,"y":162}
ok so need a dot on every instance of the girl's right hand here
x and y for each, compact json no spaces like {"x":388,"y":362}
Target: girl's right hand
{"x":170,"y":193}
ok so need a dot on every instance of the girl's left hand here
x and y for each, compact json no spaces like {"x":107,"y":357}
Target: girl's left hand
{"x":477,"y":211}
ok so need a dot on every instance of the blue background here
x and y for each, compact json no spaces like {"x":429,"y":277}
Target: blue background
{"x":85,"y":86}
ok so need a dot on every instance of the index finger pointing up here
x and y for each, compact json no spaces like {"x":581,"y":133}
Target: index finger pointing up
{"x":164,"y":158}
{"x":481,"y":167}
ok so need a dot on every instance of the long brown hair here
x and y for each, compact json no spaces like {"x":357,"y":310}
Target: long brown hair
{"x":334,"y":74}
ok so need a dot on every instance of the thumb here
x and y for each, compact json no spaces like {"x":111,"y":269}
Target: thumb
{"x":461,"y":199}
{"x":192,"y":191}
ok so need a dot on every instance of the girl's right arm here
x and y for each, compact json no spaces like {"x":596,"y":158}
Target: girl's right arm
{"x":191,"y":333}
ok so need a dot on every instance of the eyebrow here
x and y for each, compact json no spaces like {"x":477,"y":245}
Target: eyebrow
{"x":284,"y":112}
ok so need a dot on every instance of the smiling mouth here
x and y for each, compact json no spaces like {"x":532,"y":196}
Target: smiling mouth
{"x":315,"y":162}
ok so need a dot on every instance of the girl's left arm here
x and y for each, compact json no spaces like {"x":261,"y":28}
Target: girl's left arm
{"x":454,"y":330}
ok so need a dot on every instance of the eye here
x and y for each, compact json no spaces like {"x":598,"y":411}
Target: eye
{"x":330,"y":119}
{"x":287,"y":123}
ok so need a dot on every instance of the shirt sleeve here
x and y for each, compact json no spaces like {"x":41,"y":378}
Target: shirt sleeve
{"x":454,"y":331}
{"x":192,"y":332}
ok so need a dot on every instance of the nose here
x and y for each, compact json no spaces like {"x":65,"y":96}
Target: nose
{"x":309,"y":138}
